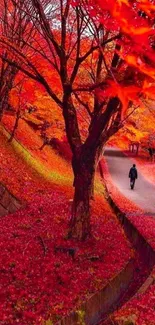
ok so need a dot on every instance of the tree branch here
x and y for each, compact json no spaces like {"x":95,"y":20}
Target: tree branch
{"x":85,"y":105}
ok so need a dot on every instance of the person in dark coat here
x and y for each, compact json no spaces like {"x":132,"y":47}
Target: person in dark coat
{"x":151,"y":153}
{"x":133,"y":175}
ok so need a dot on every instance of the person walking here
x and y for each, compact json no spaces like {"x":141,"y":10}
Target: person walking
{"x":151,"y":153}
{"x":133,"y":175}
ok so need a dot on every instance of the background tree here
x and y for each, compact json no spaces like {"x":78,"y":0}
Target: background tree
{"x":21,"y":98}
{"x":14,"y":26}
{"x":90,"y":56}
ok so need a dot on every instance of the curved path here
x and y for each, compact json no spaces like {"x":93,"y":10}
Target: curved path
{"x":143,"y":194}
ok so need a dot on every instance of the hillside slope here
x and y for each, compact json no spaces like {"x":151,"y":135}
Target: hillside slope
{"x":38,"y":280}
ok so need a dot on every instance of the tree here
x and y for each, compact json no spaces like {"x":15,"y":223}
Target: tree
{"x":21,"y":94}
{"x":14,"y":26}
{"x":88,"y":50}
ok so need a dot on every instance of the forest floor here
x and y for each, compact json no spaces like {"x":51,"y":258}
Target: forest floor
{"x":39,"y":282}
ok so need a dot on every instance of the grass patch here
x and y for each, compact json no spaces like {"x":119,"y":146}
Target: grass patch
{"x":53,"y":176}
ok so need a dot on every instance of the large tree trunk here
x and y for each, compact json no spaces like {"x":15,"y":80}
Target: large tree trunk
{"x":84,"y":169}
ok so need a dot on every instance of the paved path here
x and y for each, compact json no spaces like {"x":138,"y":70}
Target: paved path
{"x":143,"y":194}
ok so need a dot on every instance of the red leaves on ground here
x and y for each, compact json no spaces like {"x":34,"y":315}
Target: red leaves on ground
{"x":36,"y":281}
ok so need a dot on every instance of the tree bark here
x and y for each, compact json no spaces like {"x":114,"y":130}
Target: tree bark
{"x":84,"y":170}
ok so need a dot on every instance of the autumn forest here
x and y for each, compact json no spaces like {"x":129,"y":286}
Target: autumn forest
{"x":77,"y":168}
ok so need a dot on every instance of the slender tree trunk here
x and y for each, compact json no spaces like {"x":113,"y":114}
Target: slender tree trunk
{"x":15,"y":126}
{"x":84,"y":170}
{"x":1,"y":111}
{"x":6,"y":85}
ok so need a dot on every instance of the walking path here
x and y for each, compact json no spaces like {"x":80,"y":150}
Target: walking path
{"x":143,"y":194}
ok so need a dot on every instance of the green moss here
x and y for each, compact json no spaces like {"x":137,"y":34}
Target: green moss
{"x":81,"y":317}
{"x":48,"y":322}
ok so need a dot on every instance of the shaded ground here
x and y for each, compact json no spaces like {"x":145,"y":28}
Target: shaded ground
{"x":119,"y":165}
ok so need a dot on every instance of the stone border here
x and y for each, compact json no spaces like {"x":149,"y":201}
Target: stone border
{"x":139,"y":242}
{"x":148,"y":282}
{"x":99,"y":304}
{"x":8,"y":202}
